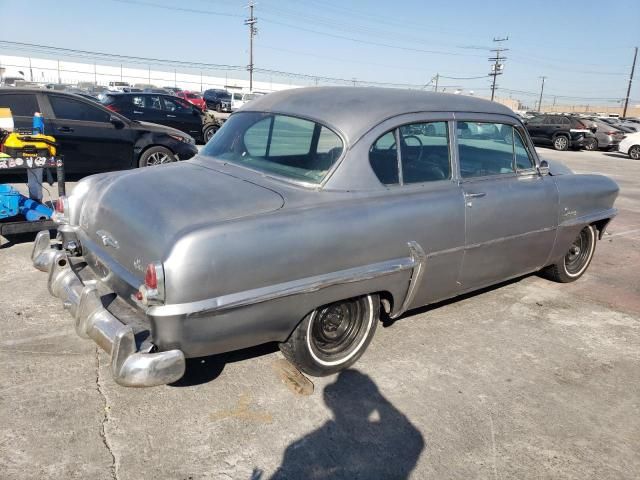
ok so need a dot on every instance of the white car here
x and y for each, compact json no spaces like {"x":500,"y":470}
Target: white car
{"x":119,"y":86}
{"x":238,"y":99}
{"x":631,"y":145}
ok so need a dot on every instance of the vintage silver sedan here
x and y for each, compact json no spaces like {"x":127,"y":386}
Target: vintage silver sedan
{"x":311,"y":213}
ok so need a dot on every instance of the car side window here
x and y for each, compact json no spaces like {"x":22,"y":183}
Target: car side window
{"x":424,"y":152}
{"x":20,"y":104}
{"x":174,"y":105}
{"x":383,"y":157}
{"x":152,"y":102}
{"x":72,"y":109}
{"x":290,"y":136}
{"x":488,"y":151}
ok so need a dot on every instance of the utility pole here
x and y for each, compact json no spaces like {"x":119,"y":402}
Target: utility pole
{"x":633,"y":67}
{"x":436,"y":85}
{"x":253,"y":30}
{"x":498,"y":66}
{"x":541,"y":90}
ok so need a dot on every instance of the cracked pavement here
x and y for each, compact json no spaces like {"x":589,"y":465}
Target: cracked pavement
{"x":529,"y":380}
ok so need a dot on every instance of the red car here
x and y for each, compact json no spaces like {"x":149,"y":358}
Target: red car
{"x":194,"y":98}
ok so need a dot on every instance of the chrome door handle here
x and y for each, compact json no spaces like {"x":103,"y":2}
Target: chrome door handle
{"x":139,"y":113}
{"x":475,"y":195}
{"x":171,"y":116}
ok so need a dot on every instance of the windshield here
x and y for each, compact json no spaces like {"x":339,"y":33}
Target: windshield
{"x":277,"y":144}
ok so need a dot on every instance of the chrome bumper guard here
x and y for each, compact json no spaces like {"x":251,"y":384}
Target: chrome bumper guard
{"x":129,"y":367}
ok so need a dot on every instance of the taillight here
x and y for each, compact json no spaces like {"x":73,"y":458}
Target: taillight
{"x":60,"y":205}
{"x":151,"y":277}
{"x":113,"y":108}
{"x":151,"y":292}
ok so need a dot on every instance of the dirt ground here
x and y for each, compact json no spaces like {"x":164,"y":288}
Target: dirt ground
{"x":531,"y":379}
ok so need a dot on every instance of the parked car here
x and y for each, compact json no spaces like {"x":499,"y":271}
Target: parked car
{"x":560,"y":131}
{"x":166,"y":110}
{"x":311,"y":212}
{"x":194,"y":98}
{"x":92,"y":138}
{"x":631,"y":146}
{"x":625,"y":126}
{"x":218,"y":100}
{"x":118,"y":86}
{"x":238,"y":99}
{"x":606,"y":137}
{"x":173,"y":90}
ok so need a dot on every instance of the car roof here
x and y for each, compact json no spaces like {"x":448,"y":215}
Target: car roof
{"x":355,"y":110}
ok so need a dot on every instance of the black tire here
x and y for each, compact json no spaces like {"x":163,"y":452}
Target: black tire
{"x":591,"y":144}
{"x":156,"y":156}
{"x":561,"y":142}
{"x":333,"y":337}
{"x":634,"y":152}
{"x":577,"y":259}
{"x":208,"y":132}
{"x":219,"y":108}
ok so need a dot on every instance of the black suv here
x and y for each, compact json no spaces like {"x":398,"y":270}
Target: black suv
{"x":164,"y":110}
{"x":92,"y":138}
{"x":560,"y":131}
{"x":218,"y":100}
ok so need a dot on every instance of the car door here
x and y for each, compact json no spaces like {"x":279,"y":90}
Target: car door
{"x":181,"y":115}
{"x":86,"y":137}
{"x":22,"y":105}
{"x":510,"y":209}
{"x":425,"y":201}
{"x":553,"y":124}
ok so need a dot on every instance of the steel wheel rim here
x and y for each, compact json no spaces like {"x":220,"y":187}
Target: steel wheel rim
{"x":158,"y":158}
{"x":635,"y":153}
{"x":208,"y":134}
{"x":591,"y":145}
{"x":561,"y":143}
{"x":578,"y":253}
{"x":338,"y":328}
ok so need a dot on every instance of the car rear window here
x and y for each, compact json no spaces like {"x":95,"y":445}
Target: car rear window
{"x":193,"y":95}
{"x":72,"y":109}
{"x":282,"y":145}
{"x":20,"y":104}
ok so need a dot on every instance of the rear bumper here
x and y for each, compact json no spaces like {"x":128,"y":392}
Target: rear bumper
{"x":130,"y":366}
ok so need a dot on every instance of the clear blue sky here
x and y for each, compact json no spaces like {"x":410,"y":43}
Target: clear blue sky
{"x":584,"y":47}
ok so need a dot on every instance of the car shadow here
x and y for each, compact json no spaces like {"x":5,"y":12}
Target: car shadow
{"x":616,"y":155}
{"x":205,"y":369}
{"x":366,"y":438}
{"x":388,"y":321}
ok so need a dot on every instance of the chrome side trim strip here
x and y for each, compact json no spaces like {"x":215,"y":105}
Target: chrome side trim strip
{"x":590,"y":218}
{"x":295,"y":287}
{"x":420,"y":260}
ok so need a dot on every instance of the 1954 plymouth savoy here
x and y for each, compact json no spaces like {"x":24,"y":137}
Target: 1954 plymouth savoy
{"x":305,"y":217}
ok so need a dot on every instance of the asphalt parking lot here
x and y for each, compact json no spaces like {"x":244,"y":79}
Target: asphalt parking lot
{"x":528,"y":380}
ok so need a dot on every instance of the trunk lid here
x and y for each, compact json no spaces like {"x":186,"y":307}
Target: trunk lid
{"x":133,"y":218}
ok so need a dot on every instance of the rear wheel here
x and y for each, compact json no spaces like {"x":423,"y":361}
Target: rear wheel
{"x":561,"y":143}
{"x":592,"y":144}
{"x":634,"y":152}
{"x":156,"y":156}
{"x":577,"y":259}
{"x":334,"y":336}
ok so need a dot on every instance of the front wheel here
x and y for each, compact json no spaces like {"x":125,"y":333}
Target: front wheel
{"x":209,"y":132}
{"x":634,"y":152}
{"x":156,"y":156}
{"x":333,"y":337}
{"x":592,"y":144}
{"x":561,"y":143}
{"x":577,"y":259}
